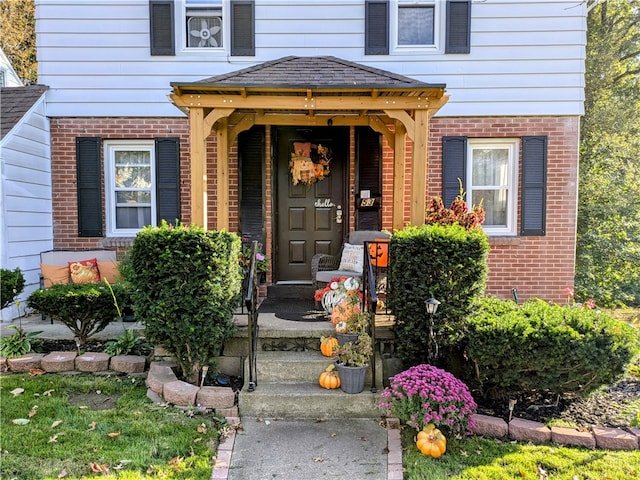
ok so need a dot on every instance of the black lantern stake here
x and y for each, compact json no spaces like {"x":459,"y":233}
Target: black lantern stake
{"x":432,"y":345}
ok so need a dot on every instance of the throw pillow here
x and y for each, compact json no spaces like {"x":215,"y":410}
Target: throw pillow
{"x":109,"y":271}
{"x":54,"y":274}
{"x":84,"y":271}
{"x":352,"y":258}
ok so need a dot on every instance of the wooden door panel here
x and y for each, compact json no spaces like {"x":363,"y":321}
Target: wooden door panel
{"x":305,"y":223}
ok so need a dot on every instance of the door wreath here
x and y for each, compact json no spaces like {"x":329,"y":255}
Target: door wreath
{"x":309,"y":163}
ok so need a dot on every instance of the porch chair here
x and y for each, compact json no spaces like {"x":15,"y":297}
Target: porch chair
{"x":349,"y":262}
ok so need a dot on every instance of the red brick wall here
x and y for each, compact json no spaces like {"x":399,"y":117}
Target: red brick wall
{"x":536,"y":266}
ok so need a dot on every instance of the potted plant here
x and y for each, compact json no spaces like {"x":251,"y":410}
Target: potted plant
{"x":356,"y":324}
{"x":352,"y":363}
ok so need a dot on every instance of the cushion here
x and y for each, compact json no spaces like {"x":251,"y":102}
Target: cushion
{"x":53,"y":274}
{"x":109,"y":271}
{"x":84,"y":271}
{"x":352,"y":258}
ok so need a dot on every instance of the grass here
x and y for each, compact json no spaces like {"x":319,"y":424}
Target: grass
{"x":69,"y":436}
{"x":477,"y":458}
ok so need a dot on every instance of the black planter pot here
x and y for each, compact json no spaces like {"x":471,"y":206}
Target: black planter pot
{"x":346,"y":337}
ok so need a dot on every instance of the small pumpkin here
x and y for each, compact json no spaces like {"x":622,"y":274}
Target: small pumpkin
{"x":431,"y":442}
{"x":329,"y":379}
{"x":342,"y":327}
{"x":343,"y":311}
{"x":327,"y":344}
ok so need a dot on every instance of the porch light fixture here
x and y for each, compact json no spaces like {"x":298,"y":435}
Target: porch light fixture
{"x":432,"y":345}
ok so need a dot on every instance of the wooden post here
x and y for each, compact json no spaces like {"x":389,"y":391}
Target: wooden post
{"x":198,"y":167}
{"x":222,"y":193}
{"x":399,"y":175}
{"x":419,"y":167}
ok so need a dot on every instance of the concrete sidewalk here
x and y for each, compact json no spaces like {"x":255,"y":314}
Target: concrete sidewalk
{"x":286,"y":449}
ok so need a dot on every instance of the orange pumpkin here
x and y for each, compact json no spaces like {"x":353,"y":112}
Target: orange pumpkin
{"x":329,"y":379}
{"x":327,"y":345}
{"x":343,"y":311}
{"x":431,"y":442}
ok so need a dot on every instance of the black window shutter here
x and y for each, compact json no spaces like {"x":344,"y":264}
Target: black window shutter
{"x":534,"y":186}
{"x":458,"y":35}
{"x":376,"y":27}
{"x":161,"y":27}
{"x":251,"y":159}
{"x":168,"y":179}
{"x":369,"y":175}
{"x":454,"y":167}
{"x":243,"y":28}
{"x":89,"y":183}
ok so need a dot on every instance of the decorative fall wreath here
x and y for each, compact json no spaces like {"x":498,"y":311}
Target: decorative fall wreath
{"x":309,"y":163}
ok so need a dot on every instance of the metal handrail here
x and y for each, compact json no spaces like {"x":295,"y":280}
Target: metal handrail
{"x":370,"y":299}
{"x":251,"y":302}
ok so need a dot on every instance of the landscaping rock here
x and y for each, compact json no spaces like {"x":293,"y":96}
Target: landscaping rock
{"x":92,"y":362}
{"x":615,"y":439}
{"x":572,"y":436}
{"x":216,"y":397}
{"x":158,"y":376}
{"x":59,"y":362}
{"x":636,"y":433}
{"x":490,"y":426}
{"x":128,"y":363}
{"x":526,"y":430}
{"x":4,"y":366}
{"x":180,"y":393}
{"x":25,"y":363}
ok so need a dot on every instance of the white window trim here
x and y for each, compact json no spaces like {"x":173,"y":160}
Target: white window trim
{"x":110,"y":147}
{"x":226,"y":27}
{"x":438,"y":28}
{"x":512,"y":145}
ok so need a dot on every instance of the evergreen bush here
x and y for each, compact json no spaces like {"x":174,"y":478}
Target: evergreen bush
{"x":185,"y":286}
{"x":11,"y":285}
{"x":546,"y":348}
{"x":447,"y":262}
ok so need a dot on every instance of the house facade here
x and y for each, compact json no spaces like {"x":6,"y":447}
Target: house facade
{"x":293,"y":123}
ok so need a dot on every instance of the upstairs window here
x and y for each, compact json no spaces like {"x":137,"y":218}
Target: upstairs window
{"x":416,"y":23}
{"x":204,"y":26}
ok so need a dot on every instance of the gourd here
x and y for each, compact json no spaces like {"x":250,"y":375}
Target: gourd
{"x":342,"y":327}
{"x":327,"y":344}
{"x":431,"y":442}
{"x":329,"y":379}
{"x":343,"y":311}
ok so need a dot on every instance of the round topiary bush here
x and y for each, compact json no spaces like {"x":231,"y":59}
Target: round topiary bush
{"x":11,"y":285}
{"x":185,"y":286}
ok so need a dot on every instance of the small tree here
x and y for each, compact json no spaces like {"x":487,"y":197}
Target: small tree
{"x":185,"y":286}
{"x":11,"y":285}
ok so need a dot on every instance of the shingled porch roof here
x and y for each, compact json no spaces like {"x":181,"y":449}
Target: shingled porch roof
{"x":316,"y":73}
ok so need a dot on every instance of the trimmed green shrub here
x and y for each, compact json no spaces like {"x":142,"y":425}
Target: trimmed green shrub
{"x":11,"y":285}
{"x":85,"y":309}
{"x":447,"y":262}
{"x":185,"y":287}
{"x":550,"y":348}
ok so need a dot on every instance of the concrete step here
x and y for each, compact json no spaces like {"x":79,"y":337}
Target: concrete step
{"x":292,"y":367}
{"x":306,"y":401}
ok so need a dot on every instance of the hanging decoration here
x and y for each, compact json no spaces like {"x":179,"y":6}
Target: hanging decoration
{"x":309,"y":163}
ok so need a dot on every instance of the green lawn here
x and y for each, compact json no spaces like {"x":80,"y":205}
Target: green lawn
{"x":69,"y":436}
{"x":490,"y":459}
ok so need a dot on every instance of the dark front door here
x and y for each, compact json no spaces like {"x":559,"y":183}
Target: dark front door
{"x":311,"y":214}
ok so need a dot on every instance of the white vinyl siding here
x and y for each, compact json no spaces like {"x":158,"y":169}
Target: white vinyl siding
{"x":492,"y":179}
{"x":25,"y":199}
{"x":527,"y":58}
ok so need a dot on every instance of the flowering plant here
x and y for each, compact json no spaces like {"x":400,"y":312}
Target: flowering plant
{"x":426,"y":394}
{"x":590,"y":304}
{"x":355,"y":354}
{"x":262,"y":261}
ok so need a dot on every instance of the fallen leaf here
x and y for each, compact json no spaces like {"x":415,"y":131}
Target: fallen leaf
{"x":63,"y":473}
{"x":92,"y":426}
{"x":34,"y":372}
{"x":333,"y":434}
{"x":99,"y":468}
{"x":33,"y":411}
{"x":83,"y":407}
{"x":53,"y":439}
{"x":364,"y":439}
{"x":197,"y":440}
{"x":464,"y":453}
{"x":20,"y":421}
{"x":318,"y":459}
{"x":175,"y":461}
{"x":113,"y":434}
{"x":17,"y":391}
{"x":56,"y":423}
{"x":48,"y":393}
{"x":202,"y":428}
